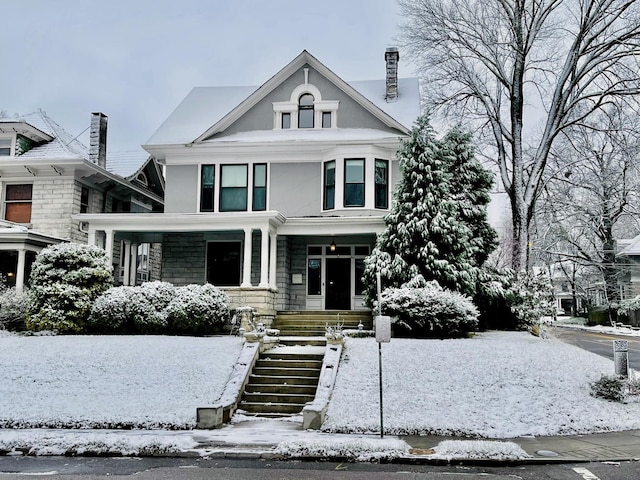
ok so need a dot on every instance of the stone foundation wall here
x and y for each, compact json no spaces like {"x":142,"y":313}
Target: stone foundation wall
{"x":263,"y":300}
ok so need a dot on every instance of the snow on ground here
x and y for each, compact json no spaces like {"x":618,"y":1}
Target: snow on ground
{"x":495,"y":385}
{"x":111,"y":381}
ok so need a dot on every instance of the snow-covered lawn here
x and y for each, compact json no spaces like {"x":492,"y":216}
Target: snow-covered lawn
{"x":496,"y":385}
{"x":111,"y":381}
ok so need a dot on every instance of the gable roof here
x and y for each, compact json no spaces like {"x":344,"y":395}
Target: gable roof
{"x":209,"y":110}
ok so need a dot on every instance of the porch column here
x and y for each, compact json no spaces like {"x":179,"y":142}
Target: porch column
{"x":246,"y":266}
{"x":20,"y":270}
{"x":91,"y":236}
{"x":133,"y":264}
{"x":264,"y":258}
{"x":108,"y":244}
{"x":273,"y":259}
{"x":126,"y":253}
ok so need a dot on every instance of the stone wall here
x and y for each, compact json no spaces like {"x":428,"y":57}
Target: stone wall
{"x":52,"y":203}
{"x":183,"y":258}
{"x":263,"y":300}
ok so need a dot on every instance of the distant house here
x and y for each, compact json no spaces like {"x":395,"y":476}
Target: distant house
{"x":47,"y":175}
{"x":276,"y":192}
{"x":629,"y":258}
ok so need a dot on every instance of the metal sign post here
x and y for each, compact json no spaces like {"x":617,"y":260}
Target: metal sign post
{"x":383,"y":334}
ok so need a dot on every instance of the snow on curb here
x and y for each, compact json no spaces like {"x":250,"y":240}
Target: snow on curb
{"x":478,"y":450}
{"x":359,"y":449}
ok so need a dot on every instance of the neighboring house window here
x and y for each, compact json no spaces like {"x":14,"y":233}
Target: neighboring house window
{"x":84,"y":200}
{"x":259,"y":186}
{"x":233,"y":188}
{"x":142,"y":263}
{"x":354,"y":182}
{"x":305,"y":111}
{"x":5,"y":147}
{"x":326,"y":119}
{"x":17,"y":206}
{"x":206,"y":188}
{"x":286,"y":120}
{"x":382,"y":184}
{"x":329,"y":185}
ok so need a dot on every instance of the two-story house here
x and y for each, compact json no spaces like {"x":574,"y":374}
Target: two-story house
{"x":47,"y":175}
{"x":277,"y":192}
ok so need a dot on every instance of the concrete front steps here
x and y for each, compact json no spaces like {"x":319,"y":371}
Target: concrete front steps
{"x":310,"y":323}
{"x":282,"y":381}
{"x":285,"y":378}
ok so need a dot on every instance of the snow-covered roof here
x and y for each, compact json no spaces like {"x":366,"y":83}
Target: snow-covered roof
{"x":63,"y":145}
{"x":126,"y":164}
{"x":629,"y":247}
{"x":205,"y":107}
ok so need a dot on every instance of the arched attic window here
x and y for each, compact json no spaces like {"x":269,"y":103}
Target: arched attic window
{"x":305,"y":111}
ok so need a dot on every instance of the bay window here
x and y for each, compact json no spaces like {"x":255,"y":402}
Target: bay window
{"x":354,"y":182}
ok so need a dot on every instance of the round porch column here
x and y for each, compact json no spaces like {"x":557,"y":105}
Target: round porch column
{"x":273,"y":258}
{"x":246,"y":267}
{"x":20,"y":270}
{"x":264,"y":258}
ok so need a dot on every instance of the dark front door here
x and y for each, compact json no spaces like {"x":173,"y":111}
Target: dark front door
{"x":338,"y":284}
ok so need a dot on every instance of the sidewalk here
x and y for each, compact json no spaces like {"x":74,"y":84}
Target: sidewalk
{"x":260,"y":439}
{"x":282,"y":440}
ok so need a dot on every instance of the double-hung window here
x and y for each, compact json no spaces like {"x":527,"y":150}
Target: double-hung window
{"x":305,"y":111}
{"x":207,"y":177}
{"x":259,"y":187}
{"x":5,"y":147}
{"x":84,"y":199}
{"x":354,"y":182}
{"x":329,"y":195}
{"x":382,"y":184}
{"x":233,"y":188}
{"x":17,"y":205}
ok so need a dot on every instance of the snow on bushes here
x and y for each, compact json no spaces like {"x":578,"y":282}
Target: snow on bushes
{"x":530,"y":297}
{"x":427,"y":309}
{"x":199,"y":309}
{"x":159,"y":307}
{"x":65,"y":280}
{"x":13,"y":309}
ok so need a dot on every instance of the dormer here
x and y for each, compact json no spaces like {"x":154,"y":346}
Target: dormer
{"x":18,"y":137}
{"x":305,"y":109}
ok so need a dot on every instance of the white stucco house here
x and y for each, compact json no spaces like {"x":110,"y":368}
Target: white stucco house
{"x":276,"y":192}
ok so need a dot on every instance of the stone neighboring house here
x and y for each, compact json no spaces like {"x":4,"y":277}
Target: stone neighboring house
{"x":47,"y":176}
{"x":276,"y":192}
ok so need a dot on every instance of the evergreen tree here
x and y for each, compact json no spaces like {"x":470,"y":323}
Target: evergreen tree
{"x":437,"y":226}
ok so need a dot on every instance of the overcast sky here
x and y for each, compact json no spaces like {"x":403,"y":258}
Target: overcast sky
{"x":135,"y":60}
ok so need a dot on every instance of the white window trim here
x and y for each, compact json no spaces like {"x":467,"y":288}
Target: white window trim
{"x":320,"y":106}
{"x":12,"y":144}
{"x":369,"y":183}
{"x":217,"y":189}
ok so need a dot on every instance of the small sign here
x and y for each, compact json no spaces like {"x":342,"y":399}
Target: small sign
{"x":296,"y":278}
{"x":383,"y":329}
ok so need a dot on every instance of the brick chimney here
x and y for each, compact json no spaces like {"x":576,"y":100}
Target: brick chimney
{"x":98,"y":139}
{"x":391,"y":57}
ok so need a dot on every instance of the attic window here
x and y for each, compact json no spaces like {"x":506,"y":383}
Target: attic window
{"x":5,"y":147}
{"x":305,"y":111}
{"x":142,"y":178}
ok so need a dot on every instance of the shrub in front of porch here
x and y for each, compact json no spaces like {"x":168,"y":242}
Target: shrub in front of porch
{"x":65,"y":281}
{"x":197,"y":309}
{"x":13,"y":308}
{"x":160,"y":308}
{"x":133,"y":310}
{"x":425,"y":309}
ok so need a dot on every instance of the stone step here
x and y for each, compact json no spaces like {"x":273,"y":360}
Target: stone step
{"x":265,"y":397}
{"x":286,"y":372}
{"x":282,"y":380}
{"x":281,"y":389}
{"x":279,"y":408}
{"x":302,"y":341}
{"x":289,"y":363}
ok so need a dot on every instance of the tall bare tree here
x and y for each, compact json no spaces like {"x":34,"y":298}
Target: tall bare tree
{"x":591,"y":194}
{"x":523,"y":71}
